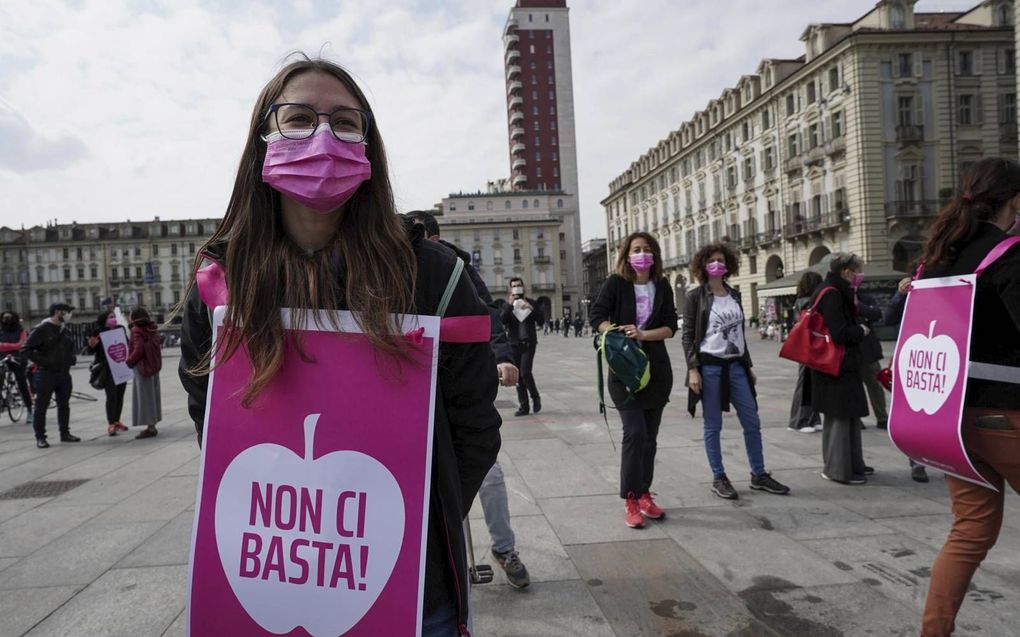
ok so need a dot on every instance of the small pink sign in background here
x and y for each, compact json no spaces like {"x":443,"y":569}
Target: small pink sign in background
{"x":930,"y":375}
{"x":313,"y":504}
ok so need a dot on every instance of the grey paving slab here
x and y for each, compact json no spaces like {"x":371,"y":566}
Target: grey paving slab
{"x":36,"y":528}
{"x":79,"y":556}
{"x":22,"y":609}
{"x":121,"y":603}
{"x":592,"y":520}
{"x":551,"y":469}
{"x":161,"y":500}
{"x":552,"y":609}
{"x":170,"y":545}
{"x":803,"y":515}
{"x":178,"y":628}
{"x":653,"y":587}
{"x":736,"y":547}
{"x":13,"y":508}
{"x":1003,"y":559}
{"x":539,"y":548}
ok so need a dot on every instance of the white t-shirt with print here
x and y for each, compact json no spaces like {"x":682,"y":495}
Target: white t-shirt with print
{"x":724,"y":337}
{"x":644,"y":295}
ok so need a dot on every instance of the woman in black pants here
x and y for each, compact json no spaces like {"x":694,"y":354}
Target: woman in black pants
{"x":638,"y":301}
{"x":114,"y":392}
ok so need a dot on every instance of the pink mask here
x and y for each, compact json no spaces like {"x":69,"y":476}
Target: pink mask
{"x":716,"y":269}
{"x":320,"y":172}
{"x":111,"y":323}
{"x":858,"y":279}
{"x":642,"y":261}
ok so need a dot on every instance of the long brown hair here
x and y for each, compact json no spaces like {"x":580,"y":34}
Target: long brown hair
{"x":623,"y":266}
{"x":368,"y":267}
{"x":985,"y":188}
{"x":809,"y":282}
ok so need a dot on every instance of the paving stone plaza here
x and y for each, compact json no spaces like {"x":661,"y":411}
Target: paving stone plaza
{"x":108,"y":556}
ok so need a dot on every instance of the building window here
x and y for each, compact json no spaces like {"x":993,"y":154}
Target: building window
{"x":906,"y":111}
{"x":548,"y":65}
{"x":191,"y":248}
{"x":507,"y":204}
{"x":1009,"y":61}
{"x":67,"y":271}
{"x":93,"y":272}
{"x":79,"y":254}
{"x":559,"y":203}
{"x":552,"y":110}
{"x":535,"y":203}
{"x":532,"y":65}
{"x":765,"y":123}
{"x":746,"y":131}
{"x":833,"y":78}
{"x":813,"y":138}
{"x":550,"y":80}
{"x":173,"y":249}
{"x":965,"y":62}
{"x":138,"y":251}
{"x":769,"y":158}
{"x":1008,"y":114}
{"x":524,"y":204}
{"x":65,"y":254}
{"x":81,"y":273}
{"x":534,"y":95}
{"x":552,"y":95}
{"x":553,"y":141}
{"x":837,"y":124}
{"x":905,"y":64}
{"x":155,"y":250}
{"x":791,"y":105}
{"x":471,"y":205}
{"x":517,"y":255}
{"x":113,"y":274}
{"x":811,"y":93}
{"x":538,"y":141}
{"x":517,"y":233}
{"x":535,"y":125}
{"x":793,"y":146}
{"x":897,"y":17}
{"x":556,"y":171}
{"x":534,"y":110}
{"x":964,"y":112}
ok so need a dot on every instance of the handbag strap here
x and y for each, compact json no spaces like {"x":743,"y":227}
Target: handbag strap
{"x":451,"y":285}
{"x":996,"y":252}
{"x":824,"y":291}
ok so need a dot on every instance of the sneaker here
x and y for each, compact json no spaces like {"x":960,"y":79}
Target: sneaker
{"x":41,"y":443}
{"x":69,"y":438}
{"x":633,"y":517}
{"x":869,"y":471}
{"x":819,"y":428}
{"x":111,"y":429}
{"x":522,"y":411}
{"x":854,"y":479}
{"x":723,"y":488}
{"x":765,"y":482}
{"x":809,"y":429}
{"x":648,"y":507}
{"x":918,"y":474}
{"x":516,"y":573}
{"x":120,"y":426}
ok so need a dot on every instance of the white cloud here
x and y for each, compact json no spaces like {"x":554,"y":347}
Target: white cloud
{"x":130,"y":111}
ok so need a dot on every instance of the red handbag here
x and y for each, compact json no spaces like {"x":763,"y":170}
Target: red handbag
{"x":811,"y":344}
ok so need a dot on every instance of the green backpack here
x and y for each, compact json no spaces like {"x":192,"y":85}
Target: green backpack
{"x":627,"y":361}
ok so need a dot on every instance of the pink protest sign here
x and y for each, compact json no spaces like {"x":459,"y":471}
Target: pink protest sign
{"x":930,"y":375}
{"x":313,"y":504}
{"x":115,"y":344}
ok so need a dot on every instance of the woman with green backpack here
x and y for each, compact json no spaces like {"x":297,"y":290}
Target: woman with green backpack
{"x":638,"y":302}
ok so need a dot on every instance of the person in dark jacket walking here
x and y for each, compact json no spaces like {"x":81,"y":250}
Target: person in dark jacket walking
{"x":719,"y":367}
{"x":841,"y":400}
{"x":963,"y":234}
{"x":114,"y":392}
{"x":146,"y":359}
{"x":870,"y":313}
{"x":802,"y":417}
{"x":638,"y":301}
{"x":523,"y":335}
{"x":50,"y":347}
{"x":12,"y":339}
{"x":335,"y":242}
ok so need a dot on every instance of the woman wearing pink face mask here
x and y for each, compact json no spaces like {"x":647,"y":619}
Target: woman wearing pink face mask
{"x":311,"y":225}
{"x":639,"y":302}
{"x":841,"y":400}
{"x":719,"y":367}
{"x":114,"y":392}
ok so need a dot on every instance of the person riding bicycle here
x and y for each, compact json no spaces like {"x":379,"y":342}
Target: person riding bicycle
{"x":12,"y":339}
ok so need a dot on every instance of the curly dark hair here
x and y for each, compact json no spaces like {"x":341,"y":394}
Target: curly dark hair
{"x":700,"y":260}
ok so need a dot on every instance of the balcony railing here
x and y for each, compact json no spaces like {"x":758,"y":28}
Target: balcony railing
{"x":836,"y":146}
{"x":512,"y":39}
{"x":769,"y":236}
{"x":815,"y":155}
{"x":512,"y":71}
{"x":543,"y":287}
{"x":816,"y":223}
{"x":520,"y":179}
{"x":513,"y":86}
{"x":516,"y":100}
{"x":519,"y":162}
{"x":512,"y":55}
{"x":543,"y":259}
{"x":516,"y":132}
{"x":908,"y":134}
{"x":517,"y":148}
{"x":516,"y":116}
{"x":793,"y":164}
{"x":911,"y":209}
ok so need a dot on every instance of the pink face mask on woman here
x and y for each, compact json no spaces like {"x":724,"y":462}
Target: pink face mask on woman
{"x":642,"y":261}
{"x":111,"y":323}
{"x":716,"y":269}
{"x":320,"y":172}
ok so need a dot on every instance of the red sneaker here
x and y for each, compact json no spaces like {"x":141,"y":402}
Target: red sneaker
{"x":120,"y":426}
{"x":649,"y":509}
{"x":633,"y":517}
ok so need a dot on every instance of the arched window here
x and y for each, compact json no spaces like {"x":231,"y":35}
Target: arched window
{"x":559,"y":203}
{"x":536,"y":201}
{"x":507,"y":204}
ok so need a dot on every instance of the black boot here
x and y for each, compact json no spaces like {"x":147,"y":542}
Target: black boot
{"x":522,"y":411}
{"x":537,"y":404}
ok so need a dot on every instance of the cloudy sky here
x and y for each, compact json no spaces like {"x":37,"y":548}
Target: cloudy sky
{"x":116,"y":109}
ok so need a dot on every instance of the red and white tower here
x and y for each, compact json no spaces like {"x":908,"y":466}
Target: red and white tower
{"x":540,"y":110}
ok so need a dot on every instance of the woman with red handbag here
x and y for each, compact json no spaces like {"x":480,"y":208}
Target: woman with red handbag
{"x":841,"y":399}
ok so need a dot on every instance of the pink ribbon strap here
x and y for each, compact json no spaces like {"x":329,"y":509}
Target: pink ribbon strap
{"x":995,"y":253}
{"x":465,"y":329}
{"x":212,"y":285}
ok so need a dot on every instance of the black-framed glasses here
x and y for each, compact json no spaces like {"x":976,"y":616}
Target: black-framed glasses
{"x":299,"y":121}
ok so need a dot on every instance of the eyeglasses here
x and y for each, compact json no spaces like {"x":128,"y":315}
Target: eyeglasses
{"x":299,"y":121}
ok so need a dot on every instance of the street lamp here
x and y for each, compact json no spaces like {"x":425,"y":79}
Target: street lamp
{"x":584,"y":304}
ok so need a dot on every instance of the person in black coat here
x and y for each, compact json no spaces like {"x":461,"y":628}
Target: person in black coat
{"x":841,"y":400}
{"x":638,"y":301}
{"x":523,"y":337}
{"x":50,"y":347}
{"x":719,"y":367}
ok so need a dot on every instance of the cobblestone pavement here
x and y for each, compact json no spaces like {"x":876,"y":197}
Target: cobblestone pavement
{"x":109,"y":555}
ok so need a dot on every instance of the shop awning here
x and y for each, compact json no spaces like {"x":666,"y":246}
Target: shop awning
{"x":787,"y":285}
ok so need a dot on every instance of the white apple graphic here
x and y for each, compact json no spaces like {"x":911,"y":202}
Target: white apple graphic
{"x":928,"y":368}
{"x":305,"y":597}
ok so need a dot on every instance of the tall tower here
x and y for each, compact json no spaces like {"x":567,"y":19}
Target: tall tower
{"x":540,"y":113}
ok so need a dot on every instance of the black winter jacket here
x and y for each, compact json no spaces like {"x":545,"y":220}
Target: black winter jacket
{"x":843,"y":396}
{"x":617,"y":304}
{"x":466,"y":424}
{"x":51,"y":348}
{"x":513,"y":326}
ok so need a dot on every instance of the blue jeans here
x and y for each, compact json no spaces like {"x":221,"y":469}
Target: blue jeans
{"x":496,"y":507}
{"x":442,"y":623}
{"x":743,"y":401}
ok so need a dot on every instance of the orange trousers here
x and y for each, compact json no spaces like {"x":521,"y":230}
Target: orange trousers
{"x":978,"y":517}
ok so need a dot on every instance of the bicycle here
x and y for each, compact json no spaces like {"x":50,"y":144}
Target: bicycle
{"x":82,"y":396}
{"x":10,"y":396}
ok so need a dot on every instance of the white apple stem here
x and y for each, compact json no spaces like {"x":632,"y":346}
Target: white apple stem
{"x":931,"y":329}
{"x":310,"y":421}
